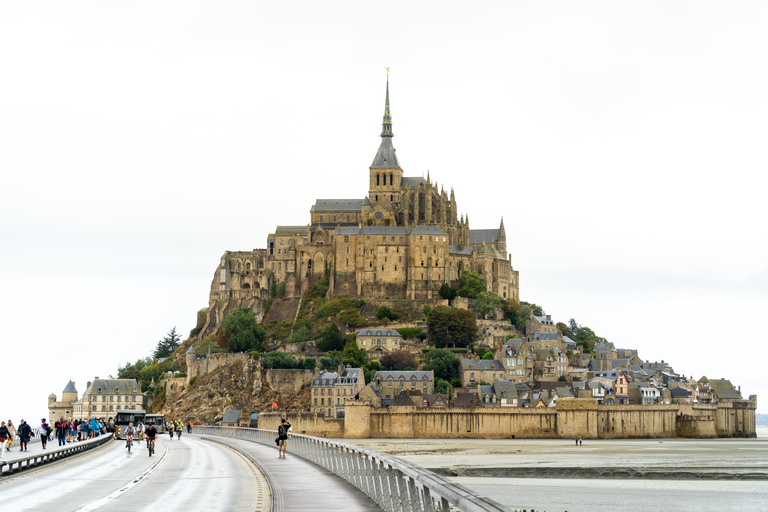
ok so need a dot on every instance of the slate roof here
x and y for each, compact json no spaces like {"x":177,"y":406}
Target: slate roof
{"x":456,"y":249}
{"x":403,"y":399}
{"x":489,"y":249}
{"x":568,"y":341}
{"x":465,"y":399}
{"x":544,"y":336}
{"x":479,"y":236}
{"x":482,"y":365}
{"x":504,"y":389}
{"x":724,"y":390}
{"x":325,"y":379}
{"x":432,"y":398}
{"x":619,"y":362}
{"x":386,"y":156}
{"x":378,"y":332}
{"x":680,"y":392}
{"x":338,"y":204}
{"x":231,"y":416}
{"x":70,"y":387}
{"x":112,"y":387}
{"x":412,"y":181}
{"x":405,"y":374}
{"x":289,"y":230}
{"x":427,"y":230}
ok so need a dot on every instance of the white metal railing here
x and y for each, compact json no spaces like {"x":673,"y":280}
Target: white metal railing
{"x":394,"y":484}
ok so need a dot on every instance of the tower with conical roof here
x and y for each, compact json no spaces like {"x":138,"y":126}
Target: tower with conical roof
{"x":385,"y":171}
{"x":70,"y":392}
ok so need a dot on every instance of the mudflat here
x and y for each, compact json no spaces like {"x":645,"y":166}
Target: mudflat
{"x":738,"y":459}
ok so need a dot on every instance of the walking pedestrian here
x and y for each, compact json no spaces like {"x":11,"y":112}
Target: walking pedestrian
{"x":45,"y":430}
{"x":61,"y":431}
{"x":25,"y":432}
{"x":12,"y":436}
{"x":4,"y":435}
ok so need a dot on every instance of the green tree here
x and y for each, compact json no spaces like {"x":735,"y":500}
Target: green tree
{"x":328,"y":362}
{"x":564,"y":330}
{"x":488,"y":355}
{"x":300,"y":335}
{"x":386,"y":312}
{"x":273,"y":290}
{"x":148,"y":373}
{"x":398,"y":360}
{"x":278,"y":361}
{"x":427,"y":309}
{"x":354,"y":356}
{"x":447,"y":292}
{"x":309,"y":363}
{"x":208,"y":345}
{"x":281,"y":290}
{"x":443,"y":363}
{"x":351,"y":317}
{"x":517,"y":313}
{"x":243,"y":332}
{"x":451,"y":327}
{"x":168,"y":344}
{"x":332,"y":338}
{"x":442,"y":386}
{"x":486,"y":303}
{"x":535,"y":309}
{"x":471,"y":284}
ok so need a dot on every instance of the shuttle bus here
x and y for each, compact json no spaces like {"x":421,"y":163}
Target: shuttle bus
{"x":158,"y":420}
{"x":124,"y":416}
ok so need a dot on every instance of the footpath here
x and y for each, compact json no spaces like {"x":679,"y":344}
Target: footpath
{"x":15,"y":459}
{"x":297,"y":484}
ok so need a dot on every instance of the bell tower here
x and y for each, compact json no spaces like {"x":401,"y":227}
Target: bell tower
{"x":385,"y":172}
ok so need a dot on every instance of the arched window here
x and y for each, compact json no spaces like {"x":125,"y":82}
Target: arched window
{"x":248,"y":266}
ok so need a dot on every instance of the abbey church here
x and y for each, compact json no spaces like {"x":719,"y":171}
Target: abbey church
{"x":403,"y":240}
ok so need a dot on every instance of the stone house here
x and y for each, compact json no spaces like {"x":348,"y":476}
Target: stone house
{"x":392,"y":383}
{"x":516,"y":356}
{"x":236,"y":418}
{"x":473,"y":371}
{"x":378,"y":341}
{"x":104,"y":397}
{"x":723,"y":390}
{"x":540,"y":324}
{"x":372,"y":393}
{"x":330,"y":390}
{"x":502,"y":393}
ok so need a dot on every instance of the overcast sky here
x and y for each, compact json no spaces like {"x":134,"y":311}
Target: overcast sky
{"x":622,"y":142}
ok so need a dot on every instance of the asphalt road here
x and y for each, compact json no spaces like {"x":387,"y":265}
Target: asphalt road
{"x":186,"y":475}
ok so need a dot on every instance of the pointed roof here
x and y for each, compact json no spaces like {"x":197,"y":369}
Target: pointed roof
{"x":385,"y":156}
{"x":70,"y":387}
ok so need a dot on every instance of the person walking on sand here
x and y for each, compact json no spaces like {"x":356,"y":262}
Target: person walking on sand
{"x":25,"y":432}
{"x":282,"y":436}
{"x":4,"y":435}
{"x":45,"y":430}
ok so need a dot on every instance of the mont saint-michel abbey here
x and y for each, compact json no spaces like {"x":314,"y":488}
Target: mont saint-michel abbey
{"x":403,"y":240}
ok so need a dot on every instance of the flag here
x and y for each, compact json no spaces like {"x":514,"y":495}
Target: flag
{"x":274,"y":405}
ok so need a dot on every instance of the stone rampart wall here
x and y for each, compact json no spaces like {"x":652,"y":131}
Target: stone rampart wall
{"x":203,"y":365}
{"x":288,"y":381}
{"x":309,"y":423}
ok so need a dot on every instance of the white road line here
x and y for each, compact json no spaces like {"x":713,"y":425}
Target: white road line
{"x":106,"y":499}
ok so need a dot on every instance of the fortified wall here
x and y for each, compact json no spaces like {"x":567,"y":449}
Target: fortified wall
{"x":572,"y":418}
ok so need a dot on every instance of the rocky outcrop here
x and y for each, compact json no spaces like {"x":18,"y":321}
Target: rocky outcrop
{"x":242,"y":385}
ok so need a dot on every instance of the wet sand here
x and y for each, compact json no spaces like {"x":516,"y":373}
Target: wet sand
{"x":647,"y":458}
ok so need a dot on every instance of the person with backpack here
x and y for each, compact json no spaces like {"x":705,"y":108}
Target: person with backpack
{"x":4,"y":435}
{"x":45,"y":431}
{"x":282,"y":438}
{"x":25,"y":432}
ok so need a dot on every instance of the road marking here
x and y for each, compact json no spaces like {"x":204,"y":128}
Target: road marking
{"x":106,"y":499}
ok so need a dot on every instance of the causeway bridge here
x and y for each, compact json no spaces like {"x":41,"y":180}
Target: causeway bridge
{"x":226,"y":469}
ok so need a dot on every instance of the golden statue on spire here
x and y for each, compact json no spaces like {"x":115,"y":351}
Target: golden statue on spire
{"x":387,"y":71}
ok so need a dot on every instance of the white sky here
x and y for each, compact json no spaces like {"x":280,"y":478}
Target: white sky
{"x":622,"y":142}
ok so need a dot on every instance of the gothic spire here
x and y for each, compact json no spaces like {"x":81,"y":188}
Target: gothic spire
{"x":386,"y":125}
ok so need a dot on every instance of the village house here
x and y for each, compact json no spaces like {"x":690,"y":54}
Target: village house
{"x":392,"y":383}
{"x":378,"y":341}
{"x":472,"y":372}
{"x":330,"y":390}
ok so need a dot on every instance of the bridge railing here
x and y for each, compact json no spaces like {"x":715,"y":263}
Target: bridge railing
{"x":55,"y":453}
{"x":394,"y":484}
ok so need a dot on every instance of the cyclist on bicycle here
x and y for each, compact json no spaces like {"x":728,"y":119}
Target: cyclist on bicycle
{"x":129,"y":431}
{"x":151,"y":434}
{"x":140,"y":431}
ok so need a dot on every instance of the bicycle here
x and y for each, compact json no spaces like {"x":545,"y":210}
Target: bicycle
{"x":151,"y":445}
{"x":128,"y":442}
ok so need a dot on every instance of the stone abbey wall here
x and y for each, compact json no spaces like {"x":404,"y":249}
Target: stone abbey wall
{"x":572,"y":418}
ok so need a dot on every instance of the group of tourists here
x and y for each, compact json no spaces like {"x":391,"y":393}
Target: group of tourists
{"x":70,"y":431}
{"x":9,"y":432}
{"x":177,"y":427}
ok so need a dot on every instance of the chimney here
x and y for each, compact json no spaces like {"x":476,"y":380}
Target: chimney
{"x":549,"y":317}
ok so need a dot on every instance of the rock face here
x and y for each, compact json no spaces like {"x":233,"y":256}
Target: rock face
{"x":241,"y":385}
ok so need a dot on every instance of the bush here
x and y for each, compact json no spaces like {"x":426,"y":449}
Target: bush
{"x":278,"y":361}
{"x":208,"y":345}
{"x":410,"y":332}
{"x":386,"y":312}
{"x":309,"y":363}
{"x":192,"y":381}
{"x":447,"y":292}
